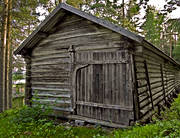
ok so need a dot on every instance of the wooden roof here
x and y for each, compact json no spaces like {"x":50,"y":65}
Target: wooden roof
{"x":56,"y":16}
{"x":60,"y":11}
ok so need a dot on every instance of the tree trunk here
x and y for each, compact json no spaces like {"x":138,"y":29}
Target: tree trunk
{"x":62,"y":1}
{"x":1,"y":77}
{"x":3,"y":52}
{"x":5,"y":58}
{"x":9,"y":59}
{"x":123,"y":12}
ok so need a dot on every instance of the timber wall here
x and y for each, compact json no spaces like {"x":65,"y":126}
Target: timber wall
{"x":78,"y":42}
{"x":156,"y":80}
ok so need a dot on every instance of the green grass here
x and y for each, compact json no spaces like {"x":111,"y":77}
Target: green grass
{"x":41,"y":128}
{"x":32,"y":122}
{"x":18,"y":102}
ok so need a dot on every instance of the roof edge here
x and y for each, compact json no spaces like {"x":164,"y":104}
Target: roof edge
{"x":160,"y":52}
{"x":38,"y":28}
{"x":104,"y":23}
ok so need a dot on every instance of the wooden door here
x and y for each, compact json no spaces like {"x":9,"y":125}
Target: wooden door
{"x":102,"y":86}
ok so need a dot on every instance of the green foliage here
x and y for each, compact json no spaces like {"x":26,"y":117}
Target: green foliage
{"x":115,"y":12}
{"x":169,"y":126}
{"x":30,"y":114}
{"x":18,"y":76}
{"x":176,"y":51}
{"x":23,"y":123}
{"x":153,"y":26}
{"x":75,"y":3}
{"x":160,"y":129}
{"x":174,"y":25}
{"x":18,"y":102}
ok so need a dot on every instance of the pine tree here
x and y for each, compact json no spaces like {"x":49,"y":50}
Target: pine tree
{"x":5,"y":89}
{"x":17,"y":22}
{"x":153,"y":26}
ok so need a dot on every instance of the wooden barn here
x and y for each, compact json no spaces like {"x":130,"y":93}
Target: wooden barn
{"x":89,"y":69}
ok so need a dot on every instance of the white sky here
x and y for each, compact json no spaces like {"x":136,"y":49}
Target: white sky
{"x":159,"y":4}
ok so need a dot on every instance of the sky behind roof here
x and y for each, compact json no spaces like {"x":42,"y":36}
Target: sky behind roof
{"x":159,"y":4}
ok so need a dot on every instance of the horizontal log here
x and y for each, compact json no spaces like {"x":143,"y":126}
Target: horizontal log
{"x":51,"y":71}
{"x":52,"y":62}
{"x":70,"y":22}
{"x":141,"y":86}
{"x":52,"y":95}
{"x":141,"y":58}
{"x":142,"y":90}
{"x":100,"y":105}
{"x":83,"y":37}
{"x":50,"y":89}
{"x":170,"y":83}
{"x":158,"y":99}
{"x":153,"y":68}
{"x":106,"y":46}
{"x":151,"y":55}
{"x":160,"y":90}
{"x":149,"y":62}
{"x":141,"y":83}
{"x":53,"y":74}
{"x":95,"y":121}
{"x":61,"y":109}
{"x":145,"y":104}
{"x":141,"y":77}
{"x":52,"y":86}
{"x":47,"y":52}
{"x":171,"y":88}
{"x":50,"y":79}
{"x":51,"y":57}
{"x":103,"y":62}
{"x":49,"y":83}
{"x":52,"y":101}
{"x":154,"y":80}
{"x":69,"y":109}
{"x":44,"y":92}
{"x":156,"y":86}
{"x":155,"y":77}
{"x":142,"y":99}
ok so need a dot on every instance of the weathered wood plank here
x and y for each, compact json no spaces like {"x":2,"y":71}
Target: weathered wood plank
{"x":95,"y":121}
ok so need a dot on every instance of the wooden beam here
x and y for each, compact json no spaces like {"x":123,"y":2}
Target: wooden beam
{"x":93,"y":62}
{"x":95,"y":121}
{"x":74,"y":79}
{"x":135,"y":90}
{"x":148,"y":82}
{"x":162,"y":77}
{"x":42,"y":34}
{"x":109,"y":106}
{"x":28,"y":94}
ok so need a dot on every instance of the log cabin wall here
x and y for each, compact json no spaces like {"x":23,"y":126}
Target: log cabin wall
{"x":157,"y":81}
{"x":59,"y":75}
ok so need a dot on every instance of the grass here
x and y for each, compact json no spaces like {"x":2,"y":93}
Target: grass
{"x":18,"y":102}
{"x":32,"y":122}
{"x":40,"y":128}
